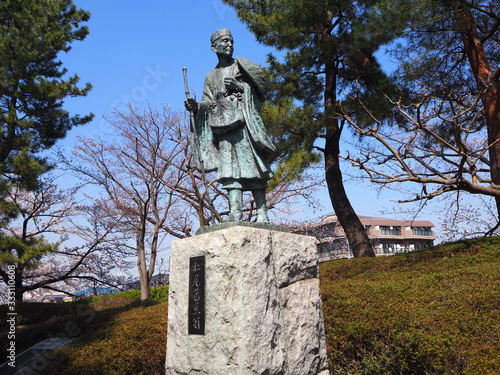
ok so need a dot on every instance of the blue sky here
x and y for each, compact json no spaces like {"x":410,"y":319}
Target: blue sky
{"x":136,"y":50}
{"x":135,"y":53}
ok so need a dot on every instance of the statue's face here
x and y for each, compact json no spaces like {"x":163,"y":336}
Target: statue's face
{"x":224,"y":46}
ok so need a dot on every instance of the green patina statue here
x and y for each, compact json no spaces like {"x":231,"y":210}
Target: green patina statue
{"x":228,"y":135}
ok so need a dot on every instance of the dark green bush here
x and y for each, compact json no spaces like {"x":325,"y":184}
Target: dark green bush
{"x":159,"y":293}
{"x":37,"y":312}
{"x":430,"y":312}
{"x":111,"y":301}
{"x":132,"y":293}
{"x":67,"y":327}
{"x":434,"y":311}
{"x":133,"y":342}
{"x":120,"y":299}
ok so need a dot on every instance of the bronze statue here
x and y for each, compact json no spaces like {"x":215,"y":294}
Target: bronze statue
{"x":228,"y":135}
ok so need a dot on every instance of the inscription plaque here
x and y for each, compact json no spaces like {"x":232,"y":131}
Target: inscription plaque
{"x":196,"y":307}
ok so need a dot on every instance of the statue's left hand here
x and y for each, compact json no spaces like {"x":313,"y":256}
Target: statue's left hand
{"x":232,"y":85}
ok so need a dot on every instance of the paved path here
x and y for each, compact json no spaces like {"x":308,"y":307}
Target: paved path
{"x":33,"y":360}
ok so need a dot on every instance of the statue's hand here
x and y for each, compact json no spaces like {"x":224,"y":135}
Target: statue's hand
{"x":232,"y":85}
{"x":191,"y":105}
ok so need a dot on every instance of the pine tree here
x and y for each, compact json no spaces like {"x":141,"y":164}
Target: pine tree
{"x":33,"y":86}
{"x":330,"y":47}
{"x":451,"y":52}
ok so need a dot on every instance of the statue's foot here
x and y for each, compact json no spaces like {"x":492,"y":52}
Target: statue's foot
{"x":262,"y":217}
{"x":235,"y":216}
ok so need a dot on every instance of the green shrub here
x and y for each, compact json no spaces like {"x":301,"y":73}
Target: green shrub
{"x":133,"y":342}
{"x":124,"y":298}
{"x":37,"y":312}
{"x":132,"y":293}
{"x":67,"y":327}
{"x":111,"y":301}
{"x":159,"y":293}
{"x":430,"y":312}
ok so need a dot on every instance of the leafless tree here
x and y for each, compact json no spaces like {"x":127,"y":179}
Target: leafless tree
{"x":36,"y":242}
{"x":432,"y":145}
{"x":439,"y":144}
{"x":446,"y":137}
{"x":146,"y":180}
{"x":463,"y":216}
{"x":143,"y":176}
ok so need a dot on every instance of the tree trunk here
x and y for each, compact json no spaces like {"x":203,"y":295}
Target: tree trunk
{"x":142,"y":268}
{"x":353,"y":228}
{"x":18,"y":285}
{"x":143,"y":275}
{"x":488,"y":84}
{"x":154,"y":248}
{"x":355,"y":231}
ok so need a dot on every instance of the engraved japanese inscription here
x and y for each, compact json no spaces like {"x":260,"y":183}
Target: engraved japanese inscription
{"x":196,"y":308}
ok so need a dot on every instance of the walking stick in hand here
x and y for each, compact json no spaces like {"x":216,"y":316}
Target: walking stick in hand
{"x":196,"y":140}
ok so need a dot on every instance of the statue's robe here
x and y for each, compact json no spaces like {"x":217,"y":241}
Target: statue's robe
{"x":237,"y":149}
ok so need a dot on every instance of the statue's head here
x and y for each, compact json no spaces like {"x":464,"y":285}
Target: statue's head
{"x":222,"y":42}
{"x":218,"y":34}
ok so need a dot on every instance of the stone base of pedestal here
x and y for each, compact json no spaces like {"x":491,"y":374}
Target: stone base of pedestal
{"x":258,"y":303}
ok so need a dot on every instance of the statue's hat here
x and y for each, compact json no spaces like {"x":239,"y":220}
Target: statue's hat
{"x":218,"y":34}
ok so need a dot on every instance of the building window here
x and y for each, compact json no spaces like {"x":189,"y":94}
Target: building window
{"x":393,"y":231}
{"x":329,"y":249}
{"x":421,"y":231}
{"x":419,"y":246}
{"x":393,"y":248}
{"x":388,"y":248}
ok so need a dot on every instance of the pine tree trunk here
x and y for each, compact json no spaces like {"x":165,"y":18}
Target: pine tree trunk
{"x":488,"y":84}
{"x":18,"y":286}
{"x":355,"y":231}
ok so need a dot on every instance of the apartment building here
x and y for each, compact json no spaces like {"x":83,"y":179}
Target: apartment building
{"x":388,"y":236}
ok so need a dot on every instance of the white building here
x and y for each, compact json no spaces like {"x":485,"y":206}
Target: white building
{"x":388,"y":236}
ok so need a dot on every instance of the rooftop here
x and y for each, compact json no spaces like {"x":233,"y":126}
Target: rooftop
{"x":367,"y":220}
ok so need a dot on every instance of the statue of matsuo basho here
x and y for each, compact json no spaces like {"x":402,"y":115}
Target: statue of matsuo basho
{"x":230,"y":135}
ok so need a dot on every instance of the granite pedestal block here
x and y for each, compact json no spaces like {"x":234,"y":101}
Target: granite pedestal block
{"x":262,"y":308}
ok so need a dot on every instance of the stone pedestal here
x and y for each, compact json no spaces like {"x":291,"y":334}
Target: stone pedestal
{"x":263,"y":312}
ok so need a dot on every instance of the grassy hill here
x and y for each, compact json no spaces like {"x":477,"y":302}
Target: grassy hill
{"x":435,"y":311}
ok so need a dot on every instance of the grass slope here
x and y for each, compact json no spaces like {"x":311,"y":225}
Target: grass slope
{"x":435,"y":311}
{"x":431,"y":312}
{"x":133,"y":342}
